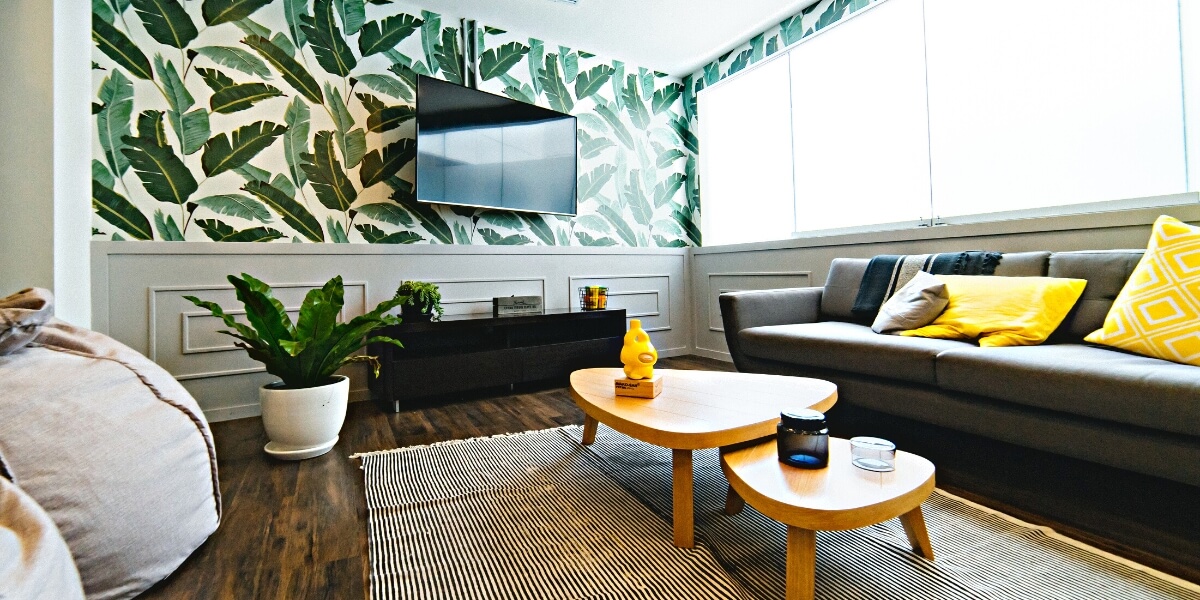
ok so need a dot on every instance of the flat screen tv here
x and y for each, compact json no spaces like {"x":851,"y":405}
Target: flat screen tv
{"x":483,"y":150}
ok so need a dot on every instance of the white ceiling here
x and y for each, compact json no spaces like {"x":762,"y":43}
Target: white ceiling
{"x":673,"y":36}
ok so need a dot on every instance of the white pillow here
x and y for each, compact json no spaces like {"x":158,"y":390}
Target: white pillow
{"x":915,"y":305}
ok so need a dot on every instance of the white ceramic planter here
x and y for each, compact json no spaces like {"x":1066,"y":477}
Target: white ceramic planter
{"x":303,"y":423}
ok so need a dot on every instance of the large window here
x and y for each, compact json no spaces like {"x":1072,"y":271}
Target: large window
{"x":748,"y":158}
{"x":1081,"y":104}
{"x":918,"y":111}
{"x":859,"y":130}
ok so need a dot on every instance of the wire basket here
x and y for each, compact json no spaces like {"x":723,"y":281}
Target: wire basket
{"x":593,"y":297}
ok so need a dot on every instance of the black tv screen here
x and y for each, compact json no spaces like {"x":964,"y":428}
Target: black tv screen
{"x":480,"y":149}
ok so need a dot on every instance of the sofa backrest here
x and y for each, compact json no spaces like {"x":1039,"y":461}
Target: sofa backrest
{"x":1105,"y":272}
{"x":845,"y":276}
{"x":841,"y":288}
{"x":1024,"y":264}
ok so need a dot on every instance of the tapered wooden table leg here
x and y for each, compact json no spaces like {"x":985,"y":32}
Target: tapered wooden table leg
{"x":589,"y":430}
{"x":717,"y":416}
{"x":914,"y":526}
{"x":733,"y":502}
{"x":801,"y":563}
{"x":682,"y":507}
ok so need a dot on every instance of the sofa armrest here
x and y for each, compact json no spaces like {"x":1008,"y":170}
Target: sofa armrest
{"x":757,"y":308}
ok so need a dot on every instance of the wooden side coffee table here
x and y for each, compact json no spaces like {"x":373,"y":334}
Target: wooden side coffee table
{"x":697,"y":409}
{"x":840,"y":496}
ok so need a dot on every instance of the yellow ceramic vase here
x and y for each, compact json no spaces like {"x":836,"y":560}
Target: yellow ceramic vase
{"x":638,"y":354}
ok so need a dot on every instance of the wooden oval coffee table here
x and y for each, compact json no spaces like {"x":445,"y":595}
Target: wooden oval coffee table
{"x":840,"y":496}
{"x":697,"y":409}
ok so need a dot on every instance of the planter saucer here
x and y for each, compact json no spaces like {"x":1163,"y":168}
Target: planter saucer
{"x":300,"y":454}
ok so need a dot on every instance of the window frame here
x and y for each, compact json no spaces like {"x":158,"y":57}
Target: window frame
{"x":1187,"y":198}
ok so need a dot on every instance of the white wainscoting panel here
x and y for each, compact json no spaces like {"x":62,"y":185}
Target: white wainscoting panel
{"x":719,"y":283}
{"x":176,"y":323}
{"x":473,"y":296}
{"x":138,"y":289}
{"x":644,"y":297}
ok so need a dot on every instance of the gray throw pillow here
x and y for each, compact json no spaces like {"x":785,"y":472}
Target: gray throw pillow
{"x":915,"y":305}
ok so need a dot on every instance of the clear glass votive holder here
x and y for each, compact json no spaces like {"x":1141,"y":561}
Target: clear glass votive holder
{"x":873,"y":454}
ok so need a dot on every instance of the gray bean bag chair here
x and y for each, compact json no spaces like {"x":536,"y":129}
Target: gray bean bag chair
{"x":114,"y":450}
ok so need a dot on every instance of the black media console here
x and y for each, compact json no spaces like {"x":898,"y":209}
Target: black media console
{"x":460,"y":353}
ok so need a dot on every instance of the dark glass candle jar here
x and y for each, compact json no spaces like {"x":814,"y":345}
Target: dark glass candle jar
{"x":803,"y":439}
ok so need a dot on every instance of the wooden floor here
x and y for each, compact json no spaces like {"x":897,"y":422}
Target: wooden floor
{"x":297,"y":530}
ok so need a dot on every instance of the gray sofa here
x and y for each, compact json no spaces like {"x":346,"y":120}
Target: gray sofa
{"x":1064,"y":398}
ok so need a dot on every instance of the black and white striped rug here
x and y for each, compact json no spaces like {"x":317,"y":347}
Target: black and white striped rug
{"x":537,"y":516}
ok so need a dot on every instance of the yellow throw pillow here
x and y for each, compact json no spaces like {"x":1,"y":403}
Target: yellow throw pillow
{"x":1002,"y":311}
{"x":1157,"y":313}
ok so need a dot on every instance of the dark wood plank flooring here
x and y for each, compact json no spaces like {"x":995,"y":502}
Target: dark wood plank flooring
{"x":297,"y":530}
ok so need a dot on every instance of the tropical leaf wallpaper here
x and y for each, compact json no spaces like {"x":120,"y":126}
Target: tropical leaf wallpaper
{"x":636,"y":152}
{"x":292,"y":120}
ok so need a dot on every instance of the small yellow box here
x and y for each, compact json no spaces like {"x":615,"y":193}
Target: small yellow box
{"x":640,"y":388}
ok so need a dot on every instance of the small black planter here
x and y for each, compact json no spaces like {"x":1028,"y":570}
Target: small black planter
{"x":413,"y":313}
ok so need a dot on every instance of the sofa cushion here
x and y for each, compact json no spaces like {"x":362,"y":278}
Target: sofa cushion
{"x":915,"y":305}
{"x":1156,"y":453}
{"x":845,"y":277}
{"x":1002,"y":311}
{"x":1157,"y":313}
{"x":1106,"y":272}
{"x":1080,"y":380}
{"x":847,"y":347}
{"x":1023,"y":264}
{"x":841,"y":288}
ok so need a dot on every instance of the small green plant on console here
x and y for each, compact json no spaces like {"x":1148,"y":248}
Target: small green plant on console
{"x":419,"y":299}
{"x":308,"y":353}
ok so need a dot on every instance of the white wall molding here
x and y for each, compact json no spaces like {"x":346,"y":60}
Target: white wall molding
{"x":638,"y":315}
{"x":762,"y":280}
{"x":736,"y":281}
{"x":714,"y":354}
{"x":137,"y":289}
{"x":244,"y":411}
{"x":674,"y":291}
{"x":483,"y":304}
{"x":1105,"y":216}
{"x":624,"y":292}
{"x":229,"y":308}
{"x":250,"y":248}
{"x":218,"y":373}
{"x":170,"y":331}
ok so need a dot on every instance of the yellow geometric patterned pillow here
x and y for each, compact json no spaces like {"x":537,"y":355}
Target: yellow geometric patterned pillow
{"x":1157,"y":313}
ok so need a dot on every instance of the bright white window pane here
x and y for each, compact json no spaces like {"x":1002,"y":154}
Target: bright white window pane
{"x":747,"y":157}
{"x":1035,"y":103}
{"x":861,"y":140}
{"x":1190,"y":27}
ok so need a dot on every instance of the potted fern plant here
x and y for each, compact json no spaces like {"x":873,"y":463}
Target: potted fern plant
{"x":419,"y":300}
{"x":303,"y":411}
